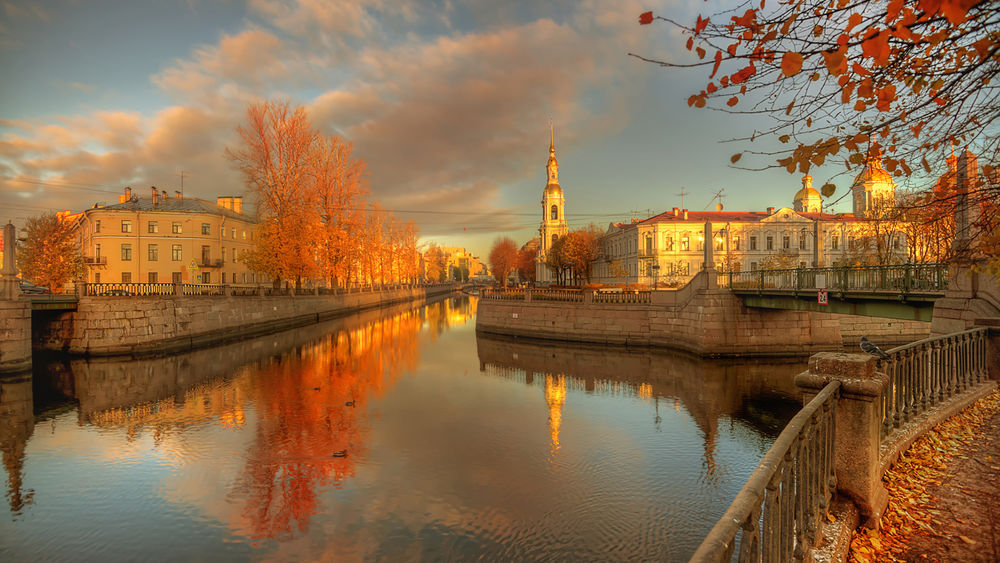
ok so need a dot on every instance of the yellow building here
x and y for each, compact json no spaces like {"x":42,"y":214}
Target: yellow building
{"x":458,"y":259}
{"x":161,"y":239}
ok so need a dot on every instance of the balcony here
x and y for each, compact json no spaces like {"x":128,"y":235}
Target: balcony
{"x":95,"y":260}
{"x":208,"y":263}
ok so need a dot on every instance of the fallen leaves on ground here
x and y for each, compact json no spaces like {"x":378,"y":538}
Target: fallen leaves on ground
{"x":910,"y":512}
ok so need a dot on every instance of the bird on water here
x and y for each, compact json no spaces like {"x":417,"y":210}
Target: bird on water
{"x":868,"y":347}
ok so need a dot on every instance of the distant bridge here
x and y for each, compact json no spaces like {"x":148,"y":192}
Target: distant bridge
{"x":905,"y":291}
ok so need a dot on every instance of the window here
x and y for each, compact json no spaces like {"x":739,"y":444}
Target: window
{"x":153,"y":227}
{"x":649,"y":245}
{"x":685,"y":243}
{"x":223,"y":277}
{"x":770,"y":243}
{"x":753,"y":266}
{"x":554,"y":212}
{"x":154,"y":252}
{"x":126,"y":277}
{"x":233,"y":231}
{"x":126,"y":226}
{"x":786,"y":242}
{"x":206,"y":229}
{"x":97,"y":253}
{"x":802,"y":264}
{"x":554,"y":239}
{"x":175,"y":277}
{"x":835,"y":242}
{"x":206,"y":277}
{"x":736,"y":242}
{"x":176,"y":254}
{"x":244,"y":235}
{"x":97,"y":277}
{"x":802,"y":242}
{"x":97,"y":226}
{"x":223,"y":255}
{"x":175,"y":228}
{"x":719,"y":242}
{"x":895,"y":242}
{"x":669,"y":243}
{"x":126,"y":252}
{"x":851,"y":243}
{"x":153,"y":277}
{"x":206,"y":254}
{"x":753,"y":243}
{"x":235,"y":255}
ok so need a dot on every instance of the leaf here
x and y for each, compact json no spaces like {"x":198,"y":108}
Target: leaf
{"x":732,"y":101}
{"x":700,"y":25}
{"x":690,"y":43}
{"x":715,"y":68}
{"x":836,"y":61}
{"x":701,"y":52}
{"x":736,"y":157}
{"x":853,"y":21}
{"x":967,"y":540}
{"x":646,"y":17}
{"x":791,"y":63}
{"x":828,"y":189}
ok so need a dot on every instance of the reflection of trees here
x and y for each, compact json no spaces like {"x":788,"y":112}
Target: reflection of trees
{"x":16,"y":425}
{"x":310,"y":406}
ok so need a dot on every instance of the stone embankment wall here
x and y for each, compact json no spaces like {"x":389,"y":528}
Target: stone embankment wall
{"x":709,"y":322}
{"x":133,"y":325}
{"x":15,"y":335}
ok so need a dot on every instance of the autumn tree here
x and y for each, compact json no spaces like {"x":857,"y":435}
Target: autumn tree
{"x":579,"y":251}
{"x":50,"y":256}
{"x":837,"y":79}
{"x":503,"y":259}
{"x":276,"y":157}
{"x":556,"y":260}
{"x":340,"y":185}
{"x":526,"y":258}
{"x":434,"y":263}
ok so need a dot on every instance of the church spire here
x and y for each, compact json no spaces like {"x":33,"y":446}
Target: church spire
{"x":552,"y":168}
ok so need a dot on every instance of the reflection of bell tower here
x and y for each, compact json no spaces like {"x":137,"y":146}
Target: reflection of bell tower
{"x":555,"y":397}
{"x":553,"y":215}
{"x":16,"y":425}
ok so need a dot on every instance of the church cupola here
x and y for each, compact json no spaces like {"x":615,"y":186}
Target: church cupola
{"x":873,"y":187}
{"x":807,"y":200}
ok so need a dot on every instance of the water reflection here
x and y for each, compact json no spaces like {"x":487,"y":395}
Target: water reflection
{"x":710,"y":391}
{"x":378,"y":436}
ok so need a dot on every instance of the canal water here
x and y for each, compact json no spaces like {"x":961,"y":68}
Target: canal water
{"x":392,"y":435}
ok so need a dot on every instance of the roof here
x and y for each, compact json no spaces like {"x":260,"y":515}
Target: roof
{"x":807,"y":193}
{"x":176,"y":205}
{"x":735,"y":217}
{"x":553,"y":188}
{"x":873,"y":172}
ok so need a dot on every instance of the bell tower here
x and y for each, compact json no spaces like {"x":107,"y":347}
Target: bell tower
{"x":553,"y":223}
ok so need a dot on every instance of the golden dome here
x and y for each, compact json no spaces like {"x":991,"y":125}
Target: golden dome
{"x":807,"y":191}
{"x":873,"y":173}
{"x":553,"y":189}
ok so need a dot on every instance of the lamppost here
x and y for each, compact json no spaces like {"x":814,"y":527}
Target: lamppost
{"x":656,"y":275}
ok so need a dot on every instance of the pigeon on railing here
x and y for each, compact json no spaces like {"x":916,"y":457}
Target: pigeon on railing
{"x":869,"y":348}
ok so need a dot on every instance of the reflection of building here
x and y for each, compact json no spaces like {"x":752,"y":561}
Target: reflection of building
{"x":555,"y":397}
{"x":670,"y":246}
{"x":553,"y":214}
{"x":167,"y":239}
{"x":17,"y":422}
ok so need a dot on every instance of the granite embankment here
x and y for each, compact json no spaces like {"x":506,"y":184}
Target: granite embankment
{"x":136,"y":325}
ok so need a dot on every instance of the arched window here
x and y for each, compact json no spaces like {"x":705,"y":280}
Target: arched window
{"x":554,"y":212}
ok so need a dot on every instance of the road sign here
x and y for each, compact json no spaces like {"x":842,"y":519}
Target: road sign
{"x":822,"y":297}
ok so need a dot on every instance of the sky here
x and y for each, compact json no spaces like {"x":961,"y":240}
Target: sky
{"x":448,"y":102}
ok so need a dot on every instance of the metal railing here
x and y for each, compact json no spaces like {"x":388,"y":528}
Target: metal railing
{"x":119,"y":289}
{"x":567,"y":295}
{"x":640,"y":297}
{"x":239,"y":290}
{"x":929,"y":371}
{"x":778,"y":513}
{"x":511,"y":294}
{"x":902,"y":278}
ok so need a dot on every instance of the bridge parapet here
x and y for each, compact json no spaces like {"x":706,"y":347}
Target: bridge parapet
{"x":899,"y":279}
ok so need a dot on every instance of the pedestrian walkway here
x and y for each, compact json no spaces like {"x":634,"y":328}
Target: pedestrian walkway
{"x":944,"y":494}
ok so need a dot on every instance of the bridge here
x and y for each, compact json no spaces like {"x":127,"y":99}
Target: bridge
{"x":904,"y":291}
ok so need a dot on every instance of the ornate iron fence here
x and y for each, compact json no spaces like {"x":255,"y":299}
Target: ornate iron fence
{"x":778,"y":513}
{"x":512,"y":294}
{"x":902,"y":278}
{"x":121,"y":289}
{"x":641,"y":297}
{"x":926,"y":372}
{"x":567,"y":295}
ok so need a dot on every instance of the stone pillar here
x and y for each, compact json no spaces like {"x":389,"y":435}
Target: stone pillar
{"x":709,"y":264}
{"x":8,"y":275}
{"x":966,"y":208}
{"x":527,"y":295}
{"x":15,"y":326}
{"x":819,"y":260}
{"x":588,"y":297}
{"x":858,"y":423}
{"x":178,"y":288}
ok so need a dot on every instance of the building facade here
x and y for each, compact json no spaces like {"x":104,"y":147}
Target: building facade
{"x":161,"y":239}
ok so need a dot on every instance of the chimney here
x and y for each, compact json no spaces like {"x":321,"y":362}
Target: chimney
{"x":224,"y":202}
{"x":238,"y":204}
{"x":156,"y":195}
{"x":685,"y":214}
{"x":770,"y":211}
{"x":164,"y":194}
{"x":676,"y":212}
{"x":178,"y":194}
{"x":128,"y":193}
